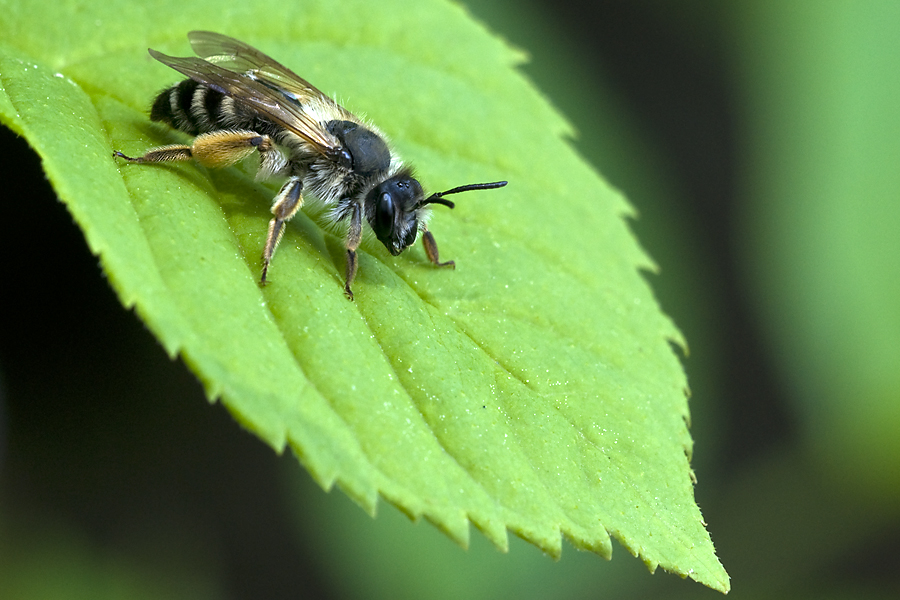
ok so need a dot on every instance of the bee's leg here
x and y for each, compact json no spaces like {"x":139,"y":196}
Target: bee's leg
{"x":354,"y":234}
{"x":431,"y":250}
{"x":224,"y":148}
{"x":161,"y":154}
{"x":287,"y":203}
{"x":215,"y":150}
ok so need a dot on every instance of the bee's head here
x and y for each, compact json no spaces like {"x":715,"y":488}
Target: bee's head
{"x":392,"y":209}
{"x":393,"y":206}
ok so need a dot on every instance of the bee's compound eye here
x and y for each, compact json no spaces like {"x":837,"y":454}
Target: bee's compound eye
{"x":384,"y":216}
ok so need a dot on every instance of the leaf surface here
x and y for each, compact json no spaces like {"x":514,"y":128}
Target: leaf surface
{"x":533,"y":389}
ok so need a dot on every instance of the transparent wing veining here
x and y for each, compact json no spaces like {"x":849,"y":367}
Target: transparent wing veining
{"x":235,"y":55}
{"x":263,"y":95}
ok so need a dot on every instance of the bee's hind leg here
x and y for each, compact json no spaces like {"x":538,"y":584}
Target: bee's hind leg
{"x":219,"y":149}
{"x":216,"y":149}
{"x":162,"y":154}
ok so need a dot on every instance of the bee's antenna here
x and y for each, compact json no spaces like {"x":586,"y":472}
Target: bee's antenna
{"x":438,"y":197}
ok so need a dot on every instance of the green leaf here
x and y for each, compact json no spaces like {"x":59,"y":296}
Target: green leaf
{"x":533,"y":389}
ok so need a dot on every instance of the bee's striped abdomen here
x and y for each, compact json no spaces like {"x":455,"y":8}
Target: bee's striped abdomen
{"x":191,"y":107}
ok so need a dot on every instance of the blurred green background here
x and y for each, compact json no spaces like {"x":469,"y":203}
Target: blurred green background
{"x":760,"y":142}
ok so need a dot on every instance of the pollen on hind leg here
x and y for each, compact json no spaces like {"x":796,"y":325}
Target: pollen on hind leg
{"x":220,"y":149}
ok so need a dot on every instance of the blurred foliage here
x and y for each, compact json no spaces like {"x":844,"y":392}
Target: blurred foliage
{"x":821,"y":215}
{"x":49,"y":560}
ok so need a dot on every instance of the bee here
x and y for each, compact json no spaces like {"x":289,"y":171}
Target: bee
{"x":239,"y":101}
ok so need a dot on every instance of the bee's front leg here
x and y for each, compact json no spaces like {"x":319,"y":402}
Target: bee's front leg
{"x":431,"y":250}
{"x":354,"y":234}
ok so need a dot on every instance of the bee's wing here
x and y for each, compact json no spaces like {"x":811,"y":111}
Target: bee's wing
{"x":261,"y":93}
{"x":235,"y":55}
